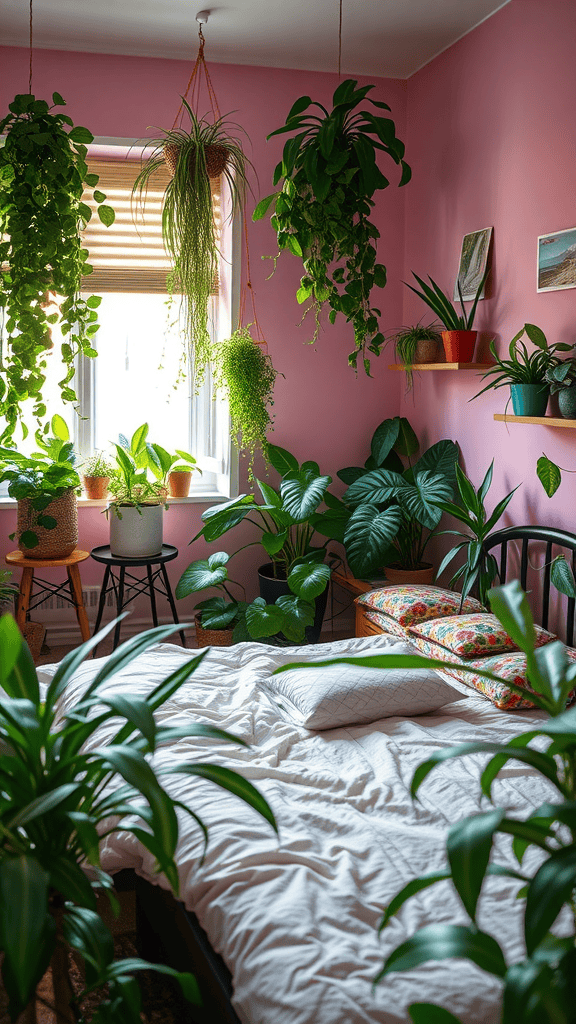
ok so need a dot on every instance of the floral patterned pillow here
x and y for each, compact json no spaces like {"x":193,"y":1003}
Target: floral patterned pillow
{"x":508,"y":666}
{"x":468,"y":636}
{"x":386,"y":624}
{"x":409,"y":604}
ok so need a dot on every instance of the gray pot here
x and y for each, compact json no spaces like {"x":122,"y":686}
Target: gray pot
{"x":138,"y":534}
{"x":567,"y":402}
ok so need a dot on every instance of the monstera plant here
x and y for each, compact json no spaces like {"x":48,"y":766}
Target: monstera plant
{"x":43,"y":173}
{"x":329,"y":176}
{"x":391,"y":502}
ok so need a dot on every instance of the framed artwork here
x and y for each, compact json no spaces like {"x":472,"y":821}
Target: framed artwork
{"x":473,"y":260}
{"x":557,"y":261}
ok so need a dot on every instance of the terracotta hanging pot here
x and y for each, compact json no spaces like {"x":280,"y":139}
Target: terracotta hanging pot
{"x":216,"y":159}
{"x":459,"y":345}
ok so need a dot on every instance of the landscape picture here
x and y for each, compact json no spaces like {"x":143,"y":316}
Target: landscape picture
{"x":473,"y":260}
{"x":557,"y":260}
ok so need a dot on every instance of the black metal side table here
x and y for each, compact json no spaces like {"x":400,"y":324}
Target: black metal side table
{"x":155,"y":582}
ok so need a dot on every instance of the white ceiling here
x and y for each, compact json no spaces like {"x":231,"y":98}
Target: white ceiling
{"x":389,"y":38}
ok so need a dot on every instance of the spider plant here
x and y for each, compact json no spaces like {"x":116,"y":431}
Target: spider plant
{"x":196,"y":154}
{"x":441,"y":305}
{"x":406,"y":342}
{"x":523,"y":367}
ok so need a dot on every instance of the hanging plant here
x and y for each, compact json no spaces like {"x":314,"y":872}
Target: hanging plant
{"x":244,"y":372}
{"x":205,"y":150}
{"x":329,"y":176}
{"x":42,"y":176}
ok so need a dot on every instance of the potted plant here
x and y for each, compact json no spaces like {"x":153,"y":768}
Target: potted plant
{"x":43,"y":173}
{"x":96,"y":473}
{"x":63,"y":786}
{"x":293,"y":583}
{"x":44,"y":484}
{"x":562,"y":381}
{"x":137,"y":505}
{"x":419,"y":344}
{"x":329,"y":176}
{"x":458,"y":337}
{"x":479,"y":569}
{"x":524,"y":372}
{"x":243,"y":371}
{"x":391,"y":510}
{"x":215,"y":618}
{"x":194,"y":155}
{"x":173,"y":473}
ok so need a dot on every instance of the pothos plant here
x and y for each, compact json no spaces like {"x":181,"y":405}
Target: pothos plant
{"x":243,"y":371}
{"x":43,"y":172}
{"x":539,"y":987}
{"x":328,"y":176}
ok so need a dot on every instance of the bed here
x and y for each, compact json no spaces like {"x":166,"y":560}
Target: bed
{"x":285,"y":930}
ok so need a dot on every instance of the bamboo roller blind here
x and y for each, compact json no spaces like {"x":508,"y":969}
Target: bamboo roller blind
{"x":129,"y":256}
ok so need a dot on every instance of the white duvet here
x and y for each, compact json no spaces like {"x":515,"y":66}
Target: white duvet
{"x":296,"y":917}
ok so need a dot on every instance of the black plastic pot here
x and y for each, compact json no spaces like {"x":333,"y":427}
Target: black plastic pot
{"x":272,"y":588}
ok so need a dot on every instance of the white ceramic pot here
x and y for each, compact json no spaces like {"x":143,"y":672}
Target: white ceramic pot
{"x":138,"y":534}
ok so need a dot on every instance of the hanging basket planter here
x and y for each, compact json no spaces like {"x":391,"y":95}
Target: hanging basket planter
{"x":216,"y":158}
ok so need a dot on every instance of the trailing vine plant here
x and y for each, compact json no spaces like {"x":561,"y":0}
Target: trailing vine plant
{"x":321,"y":213}
{"x":43,"y":172}
{"x":244,"y":372}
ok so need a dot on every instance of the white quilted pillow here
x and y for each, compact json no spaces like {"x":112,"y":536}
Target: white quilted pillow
{"x":330,"y":696}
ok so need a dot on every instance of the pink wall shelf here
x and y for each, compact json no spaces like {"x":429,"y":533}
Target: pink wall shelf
{"x":441,"y":366}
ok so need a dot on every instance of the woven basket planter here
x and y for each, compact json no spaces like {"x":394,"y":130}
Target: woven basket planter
{"x":212,"y":637}
{"x":57,"y":543}
{"x":216,"y":160}
{"x":34,"y":633}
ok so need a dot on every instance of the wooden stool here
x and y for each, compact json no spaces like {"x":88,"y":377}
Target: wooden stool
{"x":73,"y":584}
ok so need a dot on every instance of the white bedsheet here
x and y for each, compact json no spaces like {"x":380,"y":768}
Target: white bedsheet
{"x":296,"y":918}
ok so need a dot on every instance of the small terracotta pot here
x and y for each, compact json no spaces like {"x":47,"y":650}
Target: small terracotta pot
{"x":179,"y":483}
{"x":212,"y":637}
{"x":96,"y":487}
{"x":459,"y":345}
{"x":428,"y":350}
{"x":396,"y":574}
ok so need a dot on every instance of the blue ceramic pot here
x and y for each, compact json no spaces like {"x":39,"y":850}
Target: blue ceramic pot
{"x":529,"y":399}
{"x":567,"y":402}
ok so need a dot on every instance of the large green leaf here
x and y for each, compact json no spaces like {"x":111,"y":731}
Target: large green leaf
{"x":441,"y":458}
{"x":24,"y":919}
{"x":221,"y":518}
{"x":442,"y":941}
{"x":210,"y":572}
{"x":263,"y":619}
{"x":562,"y":577}
{"x":309,"y":579}
{"x":297,"y":614}
{"x":282,"y":461}
{"x":548,"y":474}
{"x":368,"y":536}
{"x":419,"y":499}
{"x":376,"y":488}
{"x":217,"y":613}
{"x":383,"y":440}
{"x":302,"y":493}
{"x":549,"y":890}
{"x":407,"y":443}
{"x":469,"y":846}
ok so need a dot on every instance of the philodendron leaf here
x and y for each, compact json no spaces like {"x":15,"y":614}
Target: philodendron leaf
{"x":309,"y":579}
{"x":296,"y":615}
{"x":548,"y":474}
{"x":282,"y":461}
{"x":302,"y":493}
{"x":562,"y":577}
{"x":204,"y":573}
{"x":419,"y":499}
{"x":263,"y":619}
{"x":368,"y":536}
{"x":407,"y":443}
{"x":384,"y":439}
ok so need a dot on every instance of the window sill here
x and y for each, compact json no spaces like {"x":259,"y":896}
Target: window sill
{"x":193,"y":499}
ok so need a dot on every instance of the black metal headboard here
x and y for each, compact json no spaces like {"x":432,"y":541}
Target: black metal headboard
{"x":552,"y":539}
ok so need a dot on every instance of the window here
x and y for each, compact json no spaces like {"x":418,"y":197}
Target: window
{"x":141,"y":373}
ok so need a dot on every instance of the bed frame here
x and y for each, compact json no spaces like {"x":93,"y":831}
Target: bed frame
{"x":170,"y":934}
{"x":530,"y":537}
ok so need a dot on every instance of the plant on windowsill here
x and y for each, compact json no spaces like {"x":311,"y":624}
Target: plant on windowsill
{"x":243,"y":371}
{"x":418,"y":344}
{"x":96,"y":473}
{"x":65,"y":787}
{"x":194,"y":155}
{"x":329,"y":177}
{"x":526,"y":373}
{"x":458,"y":337}
{"x":295,"y":580}
{"x":43,"y":173}
{"x":44,"y":484}
{"x":390,"y":509}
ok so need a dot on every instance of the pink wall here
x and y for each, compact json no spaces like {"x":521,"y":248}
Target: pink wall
{"x":322,"y":410}
{"x":492,"y":139}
